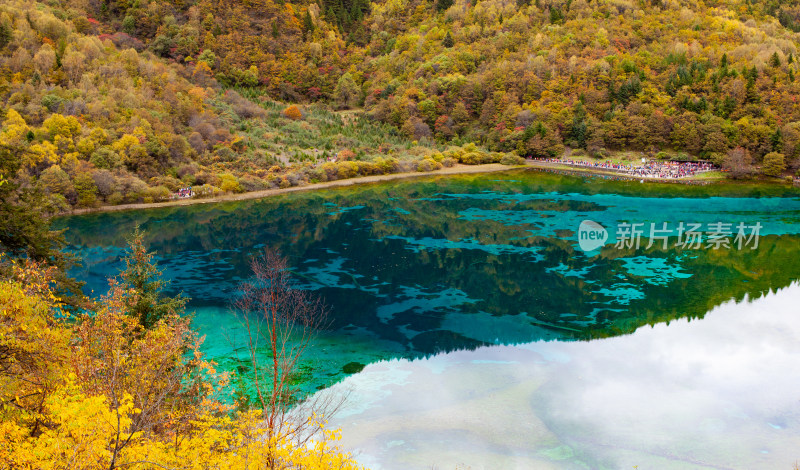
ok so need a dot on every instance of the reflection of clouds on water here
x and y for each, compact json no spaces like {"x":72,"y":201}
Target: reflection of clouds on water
{"x":714,"y":393}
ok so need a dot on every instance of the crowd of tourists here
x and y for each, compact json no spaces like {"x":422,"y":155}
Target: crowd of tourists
{"x":184,"y":193}
{"x":648,"y":169}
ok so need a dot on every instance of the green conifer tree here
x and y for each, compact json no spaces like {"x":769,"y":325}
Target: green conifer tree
{"x":147,"y":303}
{"x":448,"y":40}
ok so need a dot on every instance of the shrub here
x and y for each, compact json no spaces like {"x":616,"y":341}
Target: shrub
{"x":293,"y":112}
{"x":774,"y":164}
{"x":405,"y":166}
{"x":345,"y":155}
{"x":252,"y":183}
{"x":511,"y":159}
{"x":387,"y":165}
{"x":448,"y":162}
{"x":317,"y":175}
{"x":470,"y":158}
{"x":368,"y":168}
{"x":157,"y":193}
{"x":428,"y":164}
{"x":229,"y":183}
{"x":115,"y":198}
{"x":347,"y":169}
{"x":493,"y":157}
{"x":294,"y":178}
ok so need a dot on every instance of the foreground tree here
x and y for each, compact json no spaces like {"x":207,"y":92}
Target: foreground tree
{"x":25,"y":226}
{"x":34,"y":346}
{"x":110,"y":394}
{"x":279,"y":317}
{"x":147,"y":302}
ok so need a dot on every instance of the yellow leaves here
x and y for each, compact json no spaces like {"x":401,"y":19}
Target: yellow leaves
{"x":124,"y":143}
{"x":14,"y":131}
{"x":80,"y":431}
{"x":34,"y":341}
{"x":14,"y":119}
{"x":44,"y":152}
{"x":58,"y":125}
{"x":82,"y":369}
{"x":229,"y":183}
{"x":86,"y":146}
{"x":198,"y":94}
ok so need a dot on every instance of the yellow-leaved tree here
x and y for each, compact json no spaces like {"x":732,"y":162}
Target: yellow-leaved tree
{"x":104,"y":391}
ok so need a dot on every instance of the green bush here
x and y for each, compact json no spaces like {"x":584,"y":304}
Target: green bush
{"x":157,"y":193}
{"x":512,"y":159}
{"x":115,"y":198}
{"x":774,"y":164}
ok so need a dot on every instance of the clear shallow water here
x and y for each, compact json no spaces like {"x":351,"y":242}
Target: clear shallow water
{"x":417,"y":268}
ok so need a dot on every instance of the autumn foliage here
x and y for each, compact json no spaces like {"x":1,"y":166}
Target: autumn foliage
{"x":103,"y":391}
{"x":118,"y":102}
{"x":293,"y":112}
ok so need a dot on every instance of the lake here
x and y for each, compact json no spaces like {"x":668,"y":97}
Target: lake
{"x":479,"y":320}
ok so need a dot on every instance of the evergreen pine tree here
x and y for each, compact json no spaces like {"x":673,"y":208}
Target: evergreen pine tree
{"x":5,"y":34}
{"x":308,"y":24}
{"x":448,"y":40}
{"x":775,"y":61}
{"x":141,"y":274}
{"x":442,"y":5}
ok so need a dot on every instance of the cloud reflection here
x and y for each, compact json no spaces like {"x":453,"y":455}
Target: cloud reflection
{"x":721,"y":392}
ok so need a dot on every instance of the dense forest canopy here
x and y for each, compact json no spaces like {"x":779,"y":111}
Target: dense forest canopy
{"x":129,"y":100}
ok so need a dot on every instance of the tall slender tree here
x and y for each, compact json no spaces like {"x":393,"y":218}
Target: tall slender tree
{"x":148,"y":303}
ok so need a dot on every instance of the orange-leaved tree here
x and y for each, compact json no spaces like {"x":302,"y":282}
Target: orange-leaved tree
{"x":293,"y":112}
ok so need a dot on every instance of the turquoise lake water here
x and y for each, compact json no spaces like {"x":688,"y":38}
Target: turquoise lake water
{"x":486,"y":334}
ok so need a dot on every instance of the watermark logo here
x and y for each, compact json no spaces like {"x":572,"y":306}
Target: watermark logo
{"x":687,"y":236}
{"x":690,"y":236}
{"x":591,"y":235}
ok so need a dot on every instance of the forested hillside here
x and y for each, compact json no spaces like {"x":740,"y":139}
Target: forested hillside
{"x":525,"y":76}
{"x":106,"y":102}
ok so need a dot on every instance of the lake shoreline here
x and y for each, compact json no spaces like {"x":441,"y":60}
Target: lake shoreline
{"x":455,"y":170}
{"x":459,"y":169}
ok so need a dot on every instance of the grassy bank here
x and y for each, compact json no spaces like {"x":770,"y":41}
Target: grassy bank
{"x":457,"y":169}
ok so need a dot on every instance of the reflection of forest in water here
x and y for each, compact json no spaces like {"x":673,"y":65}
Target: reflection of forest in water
{"x":448,"y":263}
